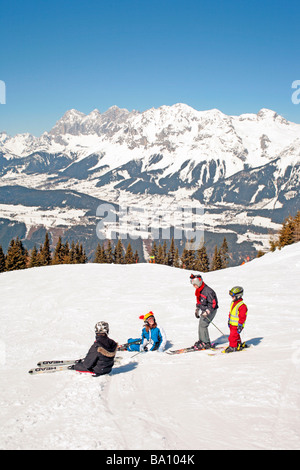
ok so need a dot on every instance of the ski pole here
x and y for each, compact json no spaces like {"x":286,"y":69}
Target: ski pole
{"x":137,"y":354}
{"x":218,"y":328}
{"x":210,"y":321}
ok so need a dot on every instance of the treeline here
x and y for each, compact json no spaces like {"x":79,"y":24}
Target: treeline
{"x":18,"y":257}
{"x":288,"y":234}
{"x":191,"y":258}
{"x":108,"y":253}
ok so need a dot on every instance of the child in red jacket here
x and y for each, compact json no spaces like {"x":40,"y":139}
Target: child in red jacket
{"x":237,"y":318}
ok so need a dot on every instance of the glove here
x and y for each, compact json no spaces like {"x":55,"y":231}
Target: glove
{"x":240,"y":328}
{"x":197,"y":313}
{"x":205,"y":313}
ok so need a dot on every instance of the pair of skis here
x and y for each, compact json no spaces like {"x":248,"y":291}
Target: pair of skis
{"x":48,"y":367}
{"x":52,"y":366}
{"x":214,"y":347}
{"x":211,"y":351}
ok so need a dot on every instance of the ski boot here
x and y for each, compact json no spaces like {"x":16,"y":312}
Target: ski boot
{"x":200,"y":345}
{"x":229,"y":349}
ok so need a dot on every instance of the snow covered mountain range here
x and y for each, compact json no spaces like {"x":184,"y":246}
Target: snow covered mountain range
{"x":244,"y":170}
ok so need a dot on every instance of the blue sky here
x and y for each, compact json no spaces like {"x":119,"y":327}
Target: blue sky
{"x":238,"y":56}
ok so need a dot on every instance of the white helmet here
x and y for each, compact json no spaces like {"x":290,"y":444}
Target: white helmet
{"x":196,"y":280}
{"x":101,"y":327}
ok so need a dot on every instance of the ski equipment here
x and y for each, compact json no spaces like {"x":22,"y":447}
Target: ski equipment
{"x":49,"y":369}
{"x":58,"y":363}
{"x":123,"y":347}
{"x":213,"y":347}
{"x":240,"y":347}
{"x":196,"y":280}
{"x":236,"y":292}
{"x":146,"y":317}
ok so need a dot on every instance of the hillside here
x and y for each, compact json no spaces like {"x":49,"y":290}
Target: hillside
{"x":246,"y":400}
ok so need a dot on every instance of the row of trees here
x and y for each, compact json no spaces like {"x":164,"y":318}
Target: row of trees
{"x":18,"y":257}
{"x":288,"y":234}
{"x":106,"y":253}
{"x":199,"y":259}
{"x":191,"y":258}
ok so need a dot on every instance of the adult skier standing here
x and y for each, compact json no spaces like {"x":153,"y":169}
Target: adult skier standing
{"x":237,"y":318}
{"x":101,"y":355}
{"x":206,"y":309}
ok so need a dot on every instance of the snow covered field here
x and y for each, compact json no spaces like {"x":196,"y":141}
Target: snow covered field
{"x":246,"y":400}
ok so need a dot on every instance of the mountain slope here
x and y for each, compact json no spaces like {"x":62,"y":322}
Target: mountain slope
{"x":247,"y":400}
{"x":167,"y":157}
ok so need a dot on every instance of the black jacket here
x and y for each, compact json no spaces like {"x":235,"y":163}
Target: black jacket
{"x":206,"y":298}
{"x":100,"y":358}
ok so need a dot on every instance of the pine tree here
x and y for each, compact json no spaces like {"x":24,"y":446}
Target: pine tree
{"x":59,"y":253}
{"x":2,"y":260}
{"x":224,"y":253}
{"x":35,"y":260}
{"x":66,"y":253}
{"x":287,"y":232}
{"x":82,"y":255}
{"x":136,"y":257}
{"x":72,"y":253}
{"x":188,"y":258}
{"x":171,"y":253}
{"x":99,"y":254}
{"x":109,"y":253}
{"x":164,"y":253}
{"x":160,"y":255}
{"x":118,"y":253}
{"x":45,"y":253}
{"x":202,"y":260}
{"x":217,"y":260}
{"x":129,"y":259}
{"x":176,"y":258}
{"x":154,"y":251}
{"x":16,"y":256}
{"x":297,"y":227}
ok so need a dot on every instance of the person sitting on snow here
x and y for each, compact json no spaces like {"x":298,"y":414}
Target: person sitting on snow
{"x":153,"y":337}
{"x":100,"y":358}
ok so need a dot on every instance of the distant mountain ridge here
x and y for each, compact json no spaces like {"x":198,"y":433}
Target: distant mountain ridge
{"x":247,"y":163}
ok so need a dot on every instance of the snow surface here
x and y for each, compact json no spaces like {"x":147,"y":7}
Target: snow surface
{"x":154,"y":401}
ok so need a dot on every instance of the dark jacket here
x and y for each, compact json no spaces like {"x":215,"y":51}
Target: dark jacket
{"x":100,"y":358}
{"x":206,"y":298}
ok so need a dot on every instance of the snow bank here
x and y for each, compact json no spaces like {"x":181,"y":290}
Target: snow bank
{"x":246,"y":400}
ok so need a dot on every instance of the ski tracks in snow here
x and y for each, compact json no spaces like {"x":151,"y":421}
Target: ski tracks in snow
{"x":140,"y":420}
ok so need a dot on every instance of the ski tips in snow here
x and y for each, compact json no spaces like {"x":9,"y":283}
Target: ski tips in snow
{"x":49,"y":369}
{"x":45,"y":367}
